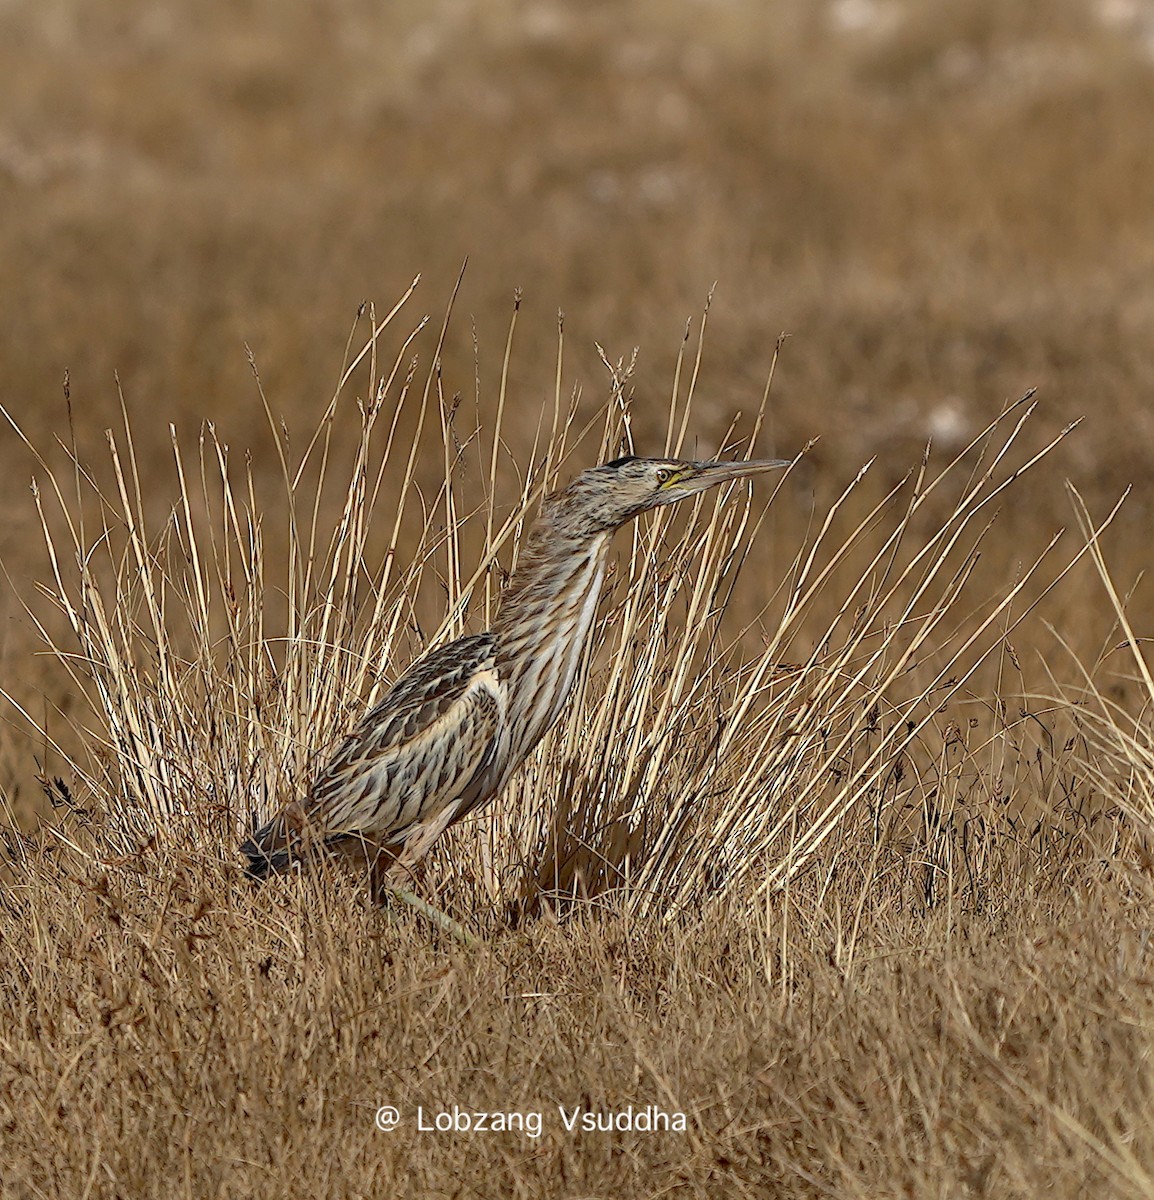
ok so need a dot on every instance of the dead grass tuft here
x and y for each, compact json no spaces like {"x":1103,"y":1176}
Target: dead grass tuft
{"x":797,"y":877}
{"x":844,"y":849}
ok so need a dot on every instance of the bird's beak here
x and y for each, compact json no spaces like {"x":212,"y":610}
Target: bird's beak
{"x":708,"y":474}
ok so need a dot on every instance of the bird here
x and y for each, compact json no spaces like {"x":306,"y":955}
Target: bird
{"x":449,"y":735}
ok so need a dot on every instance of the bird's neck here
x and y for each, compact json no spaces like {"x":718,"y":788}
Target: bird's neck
{"x":544,"y":623}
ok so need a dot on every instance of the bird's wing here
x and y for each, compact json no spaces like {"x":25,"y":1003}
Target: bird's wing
{"x":428,"y":744}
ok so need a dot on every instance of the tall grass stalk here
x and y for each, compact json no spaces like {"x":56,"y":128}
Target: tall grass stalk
{"x":689,"y":770}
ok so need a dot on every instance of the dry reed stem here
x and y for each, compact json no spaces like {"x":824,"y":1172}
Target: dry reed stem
{"x":687,"y":772}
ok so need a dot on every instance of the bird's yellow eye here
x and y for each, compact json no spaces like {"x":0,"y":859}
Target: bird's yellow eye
{"x":665,"y":474}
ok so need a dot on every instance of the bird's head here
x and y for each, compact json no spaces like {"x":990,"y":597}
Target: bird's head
{"x":607,"y":496}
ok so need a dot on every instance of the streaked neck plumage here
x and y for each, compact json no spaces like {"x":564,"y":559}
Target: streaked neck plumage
{"x":544,"y":623}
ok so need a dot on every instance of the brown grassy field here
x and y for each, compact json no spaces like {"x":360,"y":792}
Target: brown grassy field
{"x":843,"y":849}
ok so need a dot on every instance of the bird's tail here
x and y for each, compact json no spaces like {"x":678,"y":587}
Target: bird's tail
{"x":271,"y":849}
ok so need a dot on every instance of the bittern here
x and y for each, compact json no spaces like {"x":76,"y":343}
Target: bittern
{"x":450,"y":733}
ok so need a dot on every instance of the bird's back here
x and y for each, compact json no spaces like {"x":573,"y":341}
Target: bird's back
{"x":433,"y":742}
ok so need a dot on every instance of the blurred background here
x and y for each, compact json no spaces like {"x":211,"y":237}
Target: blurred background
{"x":942,"y":203}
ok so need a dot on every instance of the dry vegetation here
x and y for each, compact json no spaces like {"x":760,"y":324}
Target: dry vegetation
{"x":843,"y":850}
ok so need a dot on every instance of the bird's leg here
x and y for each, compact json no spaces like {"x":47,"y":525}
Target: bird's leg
{"x":438,"y":916}
{"x":385,"y":878}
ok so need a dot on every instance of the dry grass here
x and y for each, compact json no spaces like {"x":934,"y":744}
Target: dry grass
{"x":209,"y":1042}
{"x":715,"y":841}
{"x":843,"y":850}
